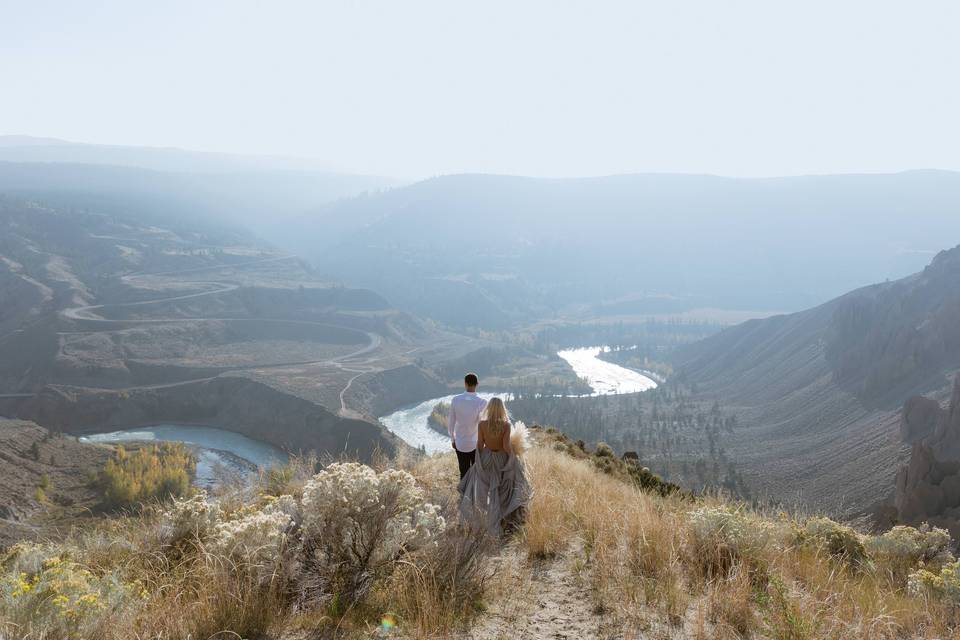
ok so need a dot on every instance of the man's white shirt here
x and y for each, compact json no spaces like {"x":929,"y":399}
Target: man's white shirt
{"x":465,"y":411}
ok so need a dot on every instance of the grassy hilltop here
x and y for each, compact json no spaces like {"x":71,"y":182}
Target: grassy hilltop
{"x":609,"y":550}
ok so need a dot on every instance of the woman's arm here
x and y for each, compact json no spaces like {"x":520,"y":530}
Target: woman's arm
{"x":480,"y":442}
{"x":506,"y":439}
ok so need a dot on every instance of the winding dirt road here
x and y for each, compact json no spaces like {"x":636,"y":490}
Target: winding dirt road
{"x":88,"y":314}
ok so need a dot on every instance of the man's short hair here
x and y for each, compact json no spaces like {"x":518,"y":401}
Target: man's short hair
{"x":471,"y":380}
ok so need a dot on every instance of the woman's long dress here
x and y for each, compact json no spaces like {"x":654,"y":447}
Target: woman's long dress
{"x":494,"y":491}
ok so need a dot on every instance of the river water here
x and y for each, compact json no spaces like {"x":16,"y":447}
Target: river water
{"x":604,"y":378}
{"x":218,"y":451}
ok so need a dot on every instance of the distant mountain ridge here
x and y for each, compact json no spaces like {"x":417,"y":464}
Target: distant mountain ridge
{"x":18,"y":148}
{"x":259,"y":192}
{"x":490,"y":251}
{"x":259,"y":200}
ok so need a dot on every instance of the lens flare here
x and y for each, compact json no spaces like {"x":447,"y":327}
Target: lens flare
{"x":388,"y":622}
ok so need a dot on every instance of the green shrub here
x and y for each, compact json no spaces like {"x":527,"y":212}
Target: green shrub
{"x":905,"y":548}
{"x":724,"y":536}
{"x":604,"y":451}
{"x":834,"y":538}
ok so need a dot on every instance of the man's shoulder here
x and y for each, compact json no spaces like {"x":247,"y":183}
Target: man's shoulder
{"x":470,"y":398}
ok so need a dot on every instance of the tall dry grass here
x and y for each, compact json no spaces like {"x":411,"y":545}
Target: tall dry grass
{"x":644,"y":552}
{"x":707,"y":568}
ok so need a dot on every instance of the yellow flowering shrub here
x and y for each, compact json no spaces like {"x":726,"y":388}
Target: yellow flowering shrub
{"x":59,"y":597}
{"x":943,"y":584}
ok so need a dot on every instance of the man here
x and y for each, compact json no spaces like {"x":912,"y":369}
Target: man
{"x":465,"y":411}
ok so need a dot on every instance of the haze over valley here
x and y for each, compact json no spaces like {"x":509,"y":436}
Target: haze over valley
{"x":137,"y":298}
{"x":254,"y":260}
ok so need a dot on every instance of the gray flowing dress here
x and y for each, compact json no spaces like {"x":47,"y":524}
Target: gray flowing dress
{"x":495,"y":491}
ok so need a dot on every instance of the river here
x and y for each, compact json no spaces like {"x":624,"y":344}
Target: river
{"x":218,"y":451}
{"x":604,"y":378}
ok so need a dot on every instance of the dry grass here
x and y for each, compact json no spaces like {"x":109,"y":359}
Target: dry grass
{"x":642,"y":552}
{"x":636,"y":555}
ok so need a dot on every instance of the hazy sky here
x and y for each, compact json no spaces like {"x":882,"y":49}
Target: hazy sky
{"x":409,"y":89}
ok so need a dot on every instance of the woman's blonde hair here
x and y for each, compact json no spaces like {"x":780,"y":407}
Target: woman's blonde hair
{"x":497,"y":416}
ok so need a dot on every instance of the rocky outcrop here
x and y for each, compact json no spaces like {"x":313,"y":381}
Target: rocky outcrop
{"x":920,"y":418}
{"x":928,"y":488}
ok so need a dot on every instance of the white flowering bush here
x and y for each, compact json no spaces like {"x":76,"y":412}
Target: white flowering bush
{"x":195,"y":516}
{"x":344,"y":495}
{"x":903,"y":548}
{"x":943,"y":584}
{"x":731,"y":527}
{"x":257,"y":537}
{"x":356,"y":521}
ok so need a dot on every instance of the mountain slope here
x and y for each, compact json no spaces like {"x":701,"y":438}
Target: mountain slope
{"x":489,"y":250}
{"x":109,"y":321}
{"x":820,"y":391}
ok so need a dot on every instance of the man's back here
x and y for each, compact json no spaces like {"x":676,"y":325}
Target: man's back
{"x":465,"y":410}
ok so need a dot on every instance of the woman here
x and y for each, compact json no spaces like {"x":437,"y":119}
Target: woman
{"x":495,"y":490}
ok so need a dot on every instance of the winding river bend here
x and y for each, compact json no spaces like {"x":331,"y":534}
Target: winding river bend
{"x":604,"y":378}
{"x":217,"y":450}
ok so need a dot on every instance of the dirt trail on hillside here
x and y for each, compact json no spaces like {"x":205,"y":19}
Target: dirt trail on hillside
{"x":553,"y":599}
{"x":543,"y":601}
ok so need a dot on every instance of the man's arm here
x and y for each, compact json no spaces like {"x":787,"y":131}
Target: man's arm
{"x":451,"y":419}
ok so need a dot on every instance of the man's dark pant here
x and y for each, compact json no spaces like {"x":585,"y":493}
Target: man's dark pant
{"x":465,"y":460}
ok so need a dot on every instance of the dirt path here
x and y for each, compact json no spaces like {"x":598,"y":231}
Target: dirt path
{"x":544,"y":601}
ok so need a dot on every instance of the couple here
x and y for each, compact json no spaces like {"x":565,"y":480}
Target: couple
{"x":494,"y":489}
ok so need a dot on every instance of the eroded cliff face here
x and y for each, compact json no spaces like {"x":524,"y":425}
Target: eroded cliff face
{"x":928,"y":488}
{"x":238,"y":404}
